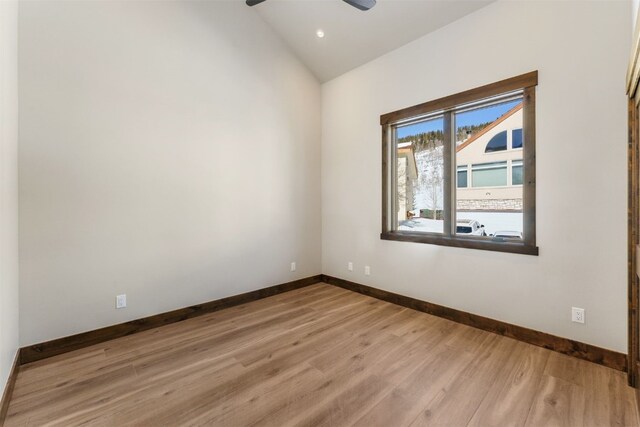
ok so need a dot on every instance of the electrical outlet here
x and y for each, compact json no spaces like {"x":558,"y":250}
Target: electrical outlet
{"x":577,"y":314}
{"x":293,"y":266}
{"x":367,"y":270}
{"x":121,"y":301}
{"x":350,"y":266}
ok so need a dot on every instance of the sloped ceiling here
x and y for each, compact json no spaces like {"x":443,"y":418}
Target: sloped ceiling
{"x":354,"y":37}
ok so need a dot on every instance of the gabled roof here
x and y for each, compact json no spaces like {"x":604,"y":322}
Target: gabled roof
{"x":485,"y":130}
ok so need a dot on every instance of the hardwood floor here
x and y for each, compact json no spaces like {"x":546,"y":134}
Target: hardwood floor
{"x":320,"y":355}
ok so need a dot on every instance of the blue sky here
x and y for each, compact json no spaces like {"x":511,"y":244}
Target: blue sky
{"x":481,"y":115}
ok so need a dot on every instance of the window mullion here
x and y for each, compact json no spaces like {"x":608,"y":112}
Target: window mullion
{"x":449,"y":159}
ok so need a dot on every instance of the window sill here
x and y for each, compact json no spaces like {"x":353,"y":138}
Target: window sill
{"x":461,"y":242}
{"x":493,"y":187}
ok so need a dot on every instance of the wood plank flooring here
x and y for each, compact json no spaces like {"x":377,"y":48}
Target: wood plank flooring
{"x":319,"y":356}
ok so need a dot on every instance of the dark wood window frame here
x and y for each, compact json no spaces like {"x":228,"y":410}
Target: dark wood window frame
{"x":526,"y":83}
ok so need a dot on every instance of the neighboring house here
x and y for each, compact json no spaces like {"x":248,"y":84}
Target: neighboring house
{"x":407,"y":174}
{"x":489,"y":166}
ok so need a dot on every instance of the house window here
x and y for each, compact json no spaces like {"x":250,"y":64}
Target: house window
{"x":516,"y":138}
{"x":489,"y":174}
{"x":516,"y":172}
{"x":497,"y":143}
{"x":462,"y":177}
{"x":451,"y":172}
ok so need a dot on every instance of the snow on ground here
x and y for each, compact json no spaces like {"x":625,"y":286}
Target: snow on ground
{"x":496,"y":221}
{"x":492,"y":221}
{"x":422,"y":225}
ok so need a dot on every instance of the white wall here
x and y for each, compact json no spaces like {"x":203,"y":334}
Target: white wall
{"x":581,"y":174}
{"x":8,"y":187}
{"x":168,"y":150}
{"x":634,"y":13}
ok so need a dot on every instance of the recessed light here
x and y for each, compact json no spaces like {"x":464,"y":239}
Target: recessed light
{"x":320,"y":33}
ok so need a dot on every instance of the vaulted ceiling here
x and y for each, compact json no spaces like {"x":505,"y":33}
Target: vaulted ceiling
{"x":352,"y":37}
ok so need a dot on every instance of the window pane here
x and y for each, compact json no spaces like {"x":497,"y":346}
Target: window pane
{"x":462,"y":177}
{"x":489,"y":175}
{"x":516,"y":138}
{"x":420,"y":176}
{"x":497,"y":143}
{"x":489,"y":204}
{"x":516,"y":172}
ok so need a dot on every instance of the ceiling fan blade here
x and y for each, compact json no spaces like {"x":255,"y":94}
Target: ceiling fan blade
{"x":359,"y":4}
{"x":253,"y":2}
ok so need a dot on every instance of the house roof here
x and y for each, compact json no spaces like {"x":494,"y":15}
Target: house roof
{"x":485,"y":130}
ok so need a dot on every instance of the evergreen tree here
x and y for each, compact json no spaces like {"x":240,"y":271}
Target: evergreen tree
{"x":432,"y":139}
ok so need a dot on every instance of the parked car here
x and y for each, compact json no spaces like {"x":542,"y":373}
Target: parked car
{"x":507,"y":235}
{"x":470,"y":226}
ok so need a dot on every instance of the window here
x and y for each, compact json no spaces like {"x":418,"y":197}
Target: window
{"x":462,"y":176}
{"x":420,"y":189}
{"x":489,"y":174}
{"x":456,"y":170}
{"x":497,"y":143}
{"x":516,"y":172}
{"x":516,"y":138}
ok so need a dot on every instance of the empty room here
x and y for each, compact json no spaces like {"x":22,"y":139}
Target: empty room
{"x":370,"y":213}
